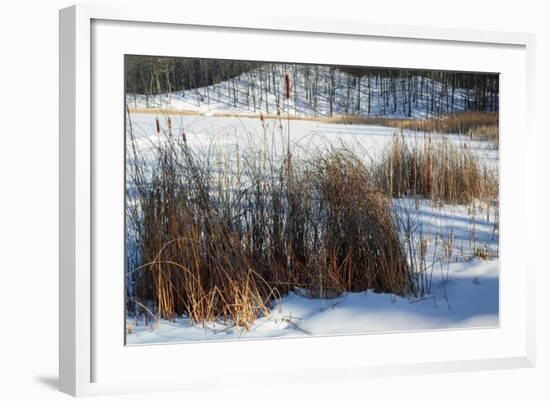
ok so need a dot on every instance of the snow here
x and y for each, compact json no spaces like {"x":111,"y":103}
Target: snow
{"x":472,"y":294}
{"x":465,"y":288}
{"x":465,"y":294}
{"x":246,"y":94}
{"x":203,"y":132}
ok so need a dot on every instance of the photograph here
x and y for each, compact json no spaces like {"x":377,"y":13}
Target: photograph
{"x":272,"y":199}
{"x":303,"y":201}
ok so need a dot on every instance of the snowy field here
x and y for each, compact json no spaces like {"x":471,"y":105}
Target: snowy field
{"x":464,"y":286}
{"x":204,"y":132}
{"x":465,"y":294}
{"x":468,"y":300}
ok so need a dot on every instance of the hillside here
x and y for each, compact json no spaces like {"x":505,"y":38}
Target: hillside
{"x":323,"y":91}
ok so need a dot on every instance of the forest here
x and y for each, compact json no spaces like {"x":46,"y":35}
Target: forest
{"x":152,"y":76}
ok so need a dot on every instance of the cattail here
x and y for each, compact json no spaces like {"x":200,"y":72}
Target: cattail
{"x":158,"y":125}
{"x":130,"y":328}
{"x":287,"y":85}
{"x":169,"y":123}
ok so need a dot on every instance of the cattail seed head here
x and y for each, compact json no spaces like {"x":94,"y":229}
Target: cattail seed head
{"x":287,"y":85}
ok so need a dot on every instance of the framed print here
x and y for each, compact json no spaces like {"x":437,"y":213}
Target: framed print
{"x":338,"y":191}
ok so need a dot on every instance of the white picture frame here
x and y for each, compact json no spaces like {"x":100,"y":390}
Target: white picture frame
{"x":97,"y":363}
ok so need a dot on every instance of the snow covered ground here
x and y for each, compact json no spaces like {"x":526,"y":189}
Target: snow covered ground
{"x":465,"y":294}
{"x":472,"y":295}
{"x":204,"y":132}
{"x":465,"y":287}
{"x":254,"y":93}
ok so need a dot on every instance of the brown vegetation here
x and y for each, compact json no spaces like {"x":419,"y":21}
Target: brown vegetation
{"x":435,"y":169}
{"x":219,"y":243}
{"x":223,"y":235}
{"x":477,"y":125}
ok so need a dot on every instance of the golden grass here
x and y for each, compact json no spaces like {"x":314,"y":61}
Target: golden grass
{"x":476,"y":125}
{"x":220,"y":241}
{"x":482,"y":126}
{"x":436,"y":169}
{"x":214,"y":247}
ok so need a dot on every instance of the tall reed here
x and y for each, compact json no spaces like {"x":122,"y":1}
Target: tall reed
{"x":435,"y":169}
{"x":475,"y":125}
{"x":222,"y":234}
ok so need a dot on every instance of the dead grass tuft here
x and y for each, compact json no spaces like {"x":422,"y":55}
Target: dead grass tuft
{"x":436,"y":169}
{"x":222,"y":236}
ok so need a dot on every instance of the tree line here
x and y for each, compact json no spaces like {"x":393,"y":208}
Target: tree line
{"x":361,"y":90}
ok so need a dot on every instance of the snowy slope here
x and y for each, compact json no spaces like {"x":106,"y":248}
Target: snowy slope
{"x":255,"y":92}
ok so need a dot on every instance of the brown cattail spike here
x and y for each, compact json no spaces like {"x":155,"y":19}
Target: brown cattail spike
{"x":158,"y":125}
{"x":287,"y":85}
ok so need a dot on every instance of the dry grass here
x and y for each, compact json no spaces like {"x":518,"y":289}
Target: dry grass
{"x":360,"y":241}
{"x":478,"y":125}
{"x":221,"y":236}
{"x":437,"y":170}
{"x":487,"y":133}
{"x":193,"y":262}
{"x":455,"y":123}
{"x":483,"y":126}
{"x":475,"y":125}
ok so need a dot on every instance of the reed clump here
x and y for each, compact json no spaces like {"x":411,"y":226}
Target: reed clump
{"x":435,"y":169}
{"x":193,"y":260}
{"x":482,"y":126}
{"x":222,"y":235}
{"x":359,"y":238}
